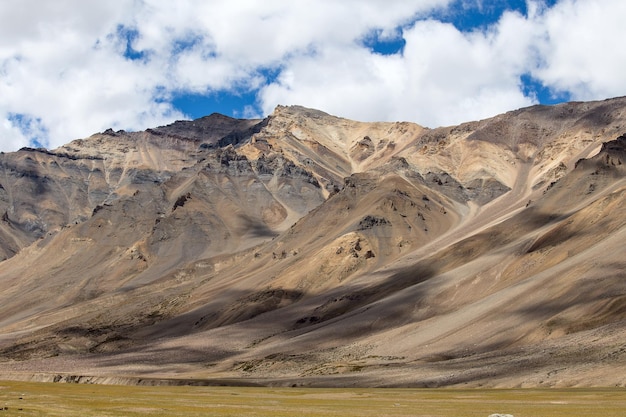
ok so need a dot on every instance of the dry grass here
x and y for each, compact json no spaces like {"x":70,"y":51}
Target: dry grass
{"x":47,"y":399}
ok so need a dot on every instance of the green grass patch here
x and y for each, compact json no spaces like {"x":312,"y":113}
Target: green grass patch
{"x":49,"y":399}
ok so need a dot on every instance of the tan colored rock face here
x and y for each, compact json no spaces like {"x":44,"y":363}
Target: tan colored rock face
{"x":310,"y":248}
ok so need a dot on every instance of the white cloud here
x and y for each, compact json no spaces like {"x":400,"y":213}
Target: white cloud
{"x":446,"y":76}
{"x":63,"y":64}
{"x":443,"y":77}
{"x":580,"y":49}
{"x":11,"y":136}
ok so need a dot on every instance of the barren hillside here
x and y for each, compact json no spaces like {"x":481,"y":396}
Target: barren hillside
{"x":314,"y":250}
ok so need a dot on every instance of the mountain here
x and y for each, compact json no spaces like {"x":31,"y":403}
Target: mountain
{"x":308,"y":249}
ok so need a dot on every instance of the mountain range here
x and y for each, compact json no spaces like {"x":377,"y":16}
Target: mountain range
{"x":311,"y":250}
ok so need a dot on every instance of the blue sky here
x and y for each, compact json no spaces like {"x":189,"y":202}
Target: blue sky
{"x":72,"y":68}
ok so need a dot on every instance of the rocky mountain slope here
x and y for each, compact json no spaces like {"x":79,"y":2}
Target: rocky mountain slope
{"x":309,"y":249}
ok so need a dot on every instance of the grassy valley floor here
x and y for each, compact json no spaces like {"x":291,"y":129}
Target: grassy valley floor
{"x":49,"y":399}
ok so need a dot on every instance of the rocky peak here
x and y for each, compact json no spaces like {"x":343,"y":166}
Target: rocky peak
{"x":213,"y":130}
{"x":299,"y":111}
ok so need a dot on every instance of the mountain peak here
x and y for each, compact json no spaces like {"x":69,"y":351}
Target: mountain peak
{"x":296,"y":110}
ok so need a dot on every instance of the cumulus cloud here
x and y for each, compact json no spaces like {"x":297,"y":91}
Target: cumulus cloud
{"x":579,"y":51}
{"x":62,"y":65}
{"x":70,"y":68}
{"x":442,"y":77}
{"x":447,"y":76}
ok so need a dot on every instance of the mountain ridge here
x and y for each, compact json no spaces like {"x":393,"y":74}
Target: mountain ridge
{"x":309,"y":249}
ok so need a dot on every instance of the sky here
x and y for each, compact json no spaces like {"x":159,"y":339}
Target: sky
{"x":70,"y":68}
